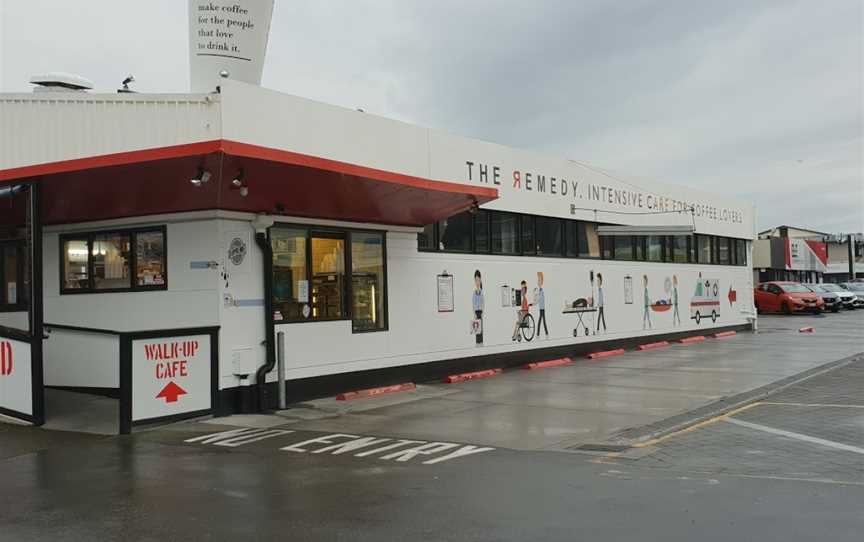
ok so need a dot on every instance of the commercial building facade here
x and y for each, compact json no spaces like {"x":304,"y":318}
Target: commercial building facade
{"x":165,"y":242}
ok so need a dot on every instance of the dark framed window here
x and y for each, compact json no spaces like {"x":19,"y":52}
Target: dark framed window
{"x":114,"y":261}
{"x":724,"y":256}
{"x":588,"y":240}
{"x":426,"y":239}
{"x":329,"y":274}
{"x":654,"y":245}
{"x":527,"y":228}
{"x":455,"y":234}
{"x":14,"y":287}
{"x":505,"y":233}
{"x":741,"y":252}
{"x":704,"y":252}
{"x":481,"y":231}
{"x":549,"y":234}
{"x":623,"y":247}
{"x":639,"y":248}
{"x":679,"y":246}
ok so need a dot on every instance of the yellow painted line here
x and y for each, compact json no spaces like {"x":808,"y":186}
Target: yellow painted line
{"x":696,"y":426}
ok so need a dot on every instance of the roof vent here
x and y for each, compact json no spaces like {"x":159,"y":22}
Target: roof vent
{"x":60,"y":82}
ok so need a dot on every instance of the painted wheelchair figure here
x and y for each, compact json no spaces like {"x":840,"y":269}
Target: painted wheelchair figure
{"x":526,"y":328}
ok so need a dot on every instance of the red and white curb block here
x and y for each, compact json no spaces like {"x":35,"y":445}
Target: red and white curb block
{"x":692,"y":340}
{"x":652,"y":346}
{"x":606,"y":354}
{"x":549,"y":363}
{"x":808,"y":329}
{"x":462,"y":377}
{"x":724,"y":334}
{"x":374,"y":392}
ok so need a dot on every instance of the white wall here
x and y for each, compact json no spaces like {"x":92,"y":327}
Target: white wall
{"x":418,"y":333}
{"x":15,"y":320}
{"x":81,"y":359}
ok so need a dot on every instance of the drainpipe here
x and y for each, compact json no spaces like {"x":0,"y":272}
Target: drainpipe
{"x":261,"y":224}
{"x":851,"y":259}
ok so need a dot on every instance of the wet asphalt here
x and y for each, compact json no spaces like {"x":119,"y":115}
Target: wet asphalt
{"x":280,"y":478}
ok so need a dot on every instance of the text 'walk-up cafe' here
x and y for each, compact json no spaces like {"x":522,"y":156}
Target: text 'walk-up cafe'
{"x":160,"y":248}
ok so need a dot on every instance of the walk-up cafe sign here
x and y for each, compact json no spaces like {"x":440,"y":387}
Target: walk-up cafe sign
{"x":227,"y":38}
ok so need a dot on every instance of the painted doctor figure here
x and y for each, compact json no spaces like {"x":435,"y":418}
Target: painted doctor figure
{"x":646,"y":319}
{"x":601,"y":303}
{"x":478,"y":303}
{"x":541,"y":303}
{"x":676,"y":318}
{"x":523,"y":310}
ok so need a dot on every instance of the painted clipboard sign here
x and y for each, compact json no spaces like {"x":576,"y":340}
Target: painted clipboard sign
{"x":445,"y":293}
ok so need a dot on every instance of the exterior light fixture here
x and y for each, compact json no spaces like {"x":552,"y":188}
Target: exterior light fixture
{"x":201,"y":178}
{"x":239,"y":183}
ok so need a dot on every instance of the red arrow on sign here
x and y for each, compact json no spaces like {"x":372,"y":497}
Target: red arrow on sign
{"x":171,"y":392}
{"x":733,"y":296}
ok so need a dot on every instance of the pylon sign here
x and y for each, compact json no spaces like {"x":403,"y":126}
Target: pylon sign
{"x":16,"y":377}
{"x":171,"y":376}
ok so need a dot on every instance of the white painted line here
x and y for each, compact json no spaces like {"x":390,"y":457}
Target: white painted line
{"x":797,"y":436}
{"x":827,"y":405}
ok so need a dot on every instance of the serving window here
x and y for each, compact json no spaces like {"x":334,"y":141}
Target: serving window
{"x":113,"y":261}
{"x":329,"y":275}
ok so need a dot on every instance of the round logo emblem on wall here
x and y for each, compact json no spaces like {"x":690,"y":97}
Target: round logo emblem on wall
{"x":237,"y":251}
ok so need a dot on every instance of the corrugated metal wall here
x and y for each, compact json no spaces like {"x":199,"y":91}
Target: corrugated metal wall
{"x":50,"y":127}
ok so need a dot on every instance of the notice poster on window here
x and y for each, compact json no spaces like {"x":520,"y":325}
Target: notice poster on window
{"x":303,"y":291}
{"x":445,"y":293}
{"x":230,"y":36}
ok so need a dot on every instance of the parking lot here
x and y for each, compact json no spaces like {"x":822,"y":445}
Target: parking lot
{"x":760,"y":426}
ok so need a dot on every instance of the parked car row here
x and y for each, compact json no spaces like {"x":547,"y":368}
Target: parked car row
{"x":793,"y":297}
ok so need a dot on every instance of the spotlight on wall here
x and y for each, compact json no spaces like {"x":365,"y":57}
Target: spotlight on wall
{"x":239,"y":183}
{"x":200,"y":178}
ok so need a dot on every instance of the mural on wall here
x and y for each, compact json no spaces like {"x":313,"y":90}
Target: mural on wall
{"x":601,"y":304}
{"x":646,"y":314}
{"x":524,"y":326}
{"x":676,"y":317}
{"x":628,"y":290}
{"x":478,"y":304}
{"x":584,"y":309}
{"x":706,"y":300}
{"x":540,"y":301}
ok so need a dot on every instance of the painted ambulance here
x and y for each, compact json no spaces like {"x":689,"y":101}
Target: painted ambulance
{"x":706,"y":300}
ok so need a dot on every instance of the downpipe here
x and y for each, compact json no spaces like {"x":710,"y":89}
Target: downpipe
{"x":269,"y":325}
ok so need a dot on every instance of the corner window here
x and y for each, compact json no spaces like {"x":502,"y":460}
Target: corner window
{"x":426,"y":238}
{"x":329,"y":275}
{"x":455,"y":233}
{"x":118,"y":261}
{"x":741,"y":252}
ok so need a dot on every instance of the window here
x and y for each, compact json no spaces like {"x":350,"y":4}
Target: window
{"x":589,"y":241}
{"x":550,"y":236}
{"x":426,"y":238}
{"x":106,"y":262}
{"x":623,"y":247}
{"x":639,"y":245}
{"x":290,"y":283}
{"x":367,"y":281}
{"x":723,"y":251}
{"x":680,"y":247}
{"x":741,"y":252}
{"x":505,"y":233}
{"x":481,"y":231}
{"x":528,"y":246}
{"x":655,"y":248}
{"x":329,"y":275}
{"x":13,"y":290}
{"x":455,"y":233}
{"x":703,"y":249}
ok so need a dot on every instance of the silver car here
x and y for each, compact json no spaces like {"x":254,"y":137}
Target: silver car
{"x":847,"y":298}
{"x":856,"y":288}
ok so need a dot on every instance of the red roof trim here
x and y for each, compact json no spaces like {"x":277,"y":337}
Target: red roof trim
{"x":234,"y":148}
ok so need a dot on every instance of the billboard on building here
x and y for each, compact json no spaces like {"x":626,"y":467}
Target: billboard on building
{"x":806,"y":255}
{"x":229,"y":36}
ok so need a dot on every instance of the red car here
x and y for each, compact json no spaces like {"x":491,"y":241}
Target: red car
{"x":786,"y":297}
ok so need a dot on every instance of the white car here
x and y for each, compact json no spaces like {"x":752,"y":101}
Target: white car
{"x":849,"y":299}
{"x":856,"y":288}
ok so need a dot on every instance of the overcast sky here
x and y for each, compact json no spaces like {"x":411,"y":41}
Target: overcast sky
{"x":759,"y":99}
